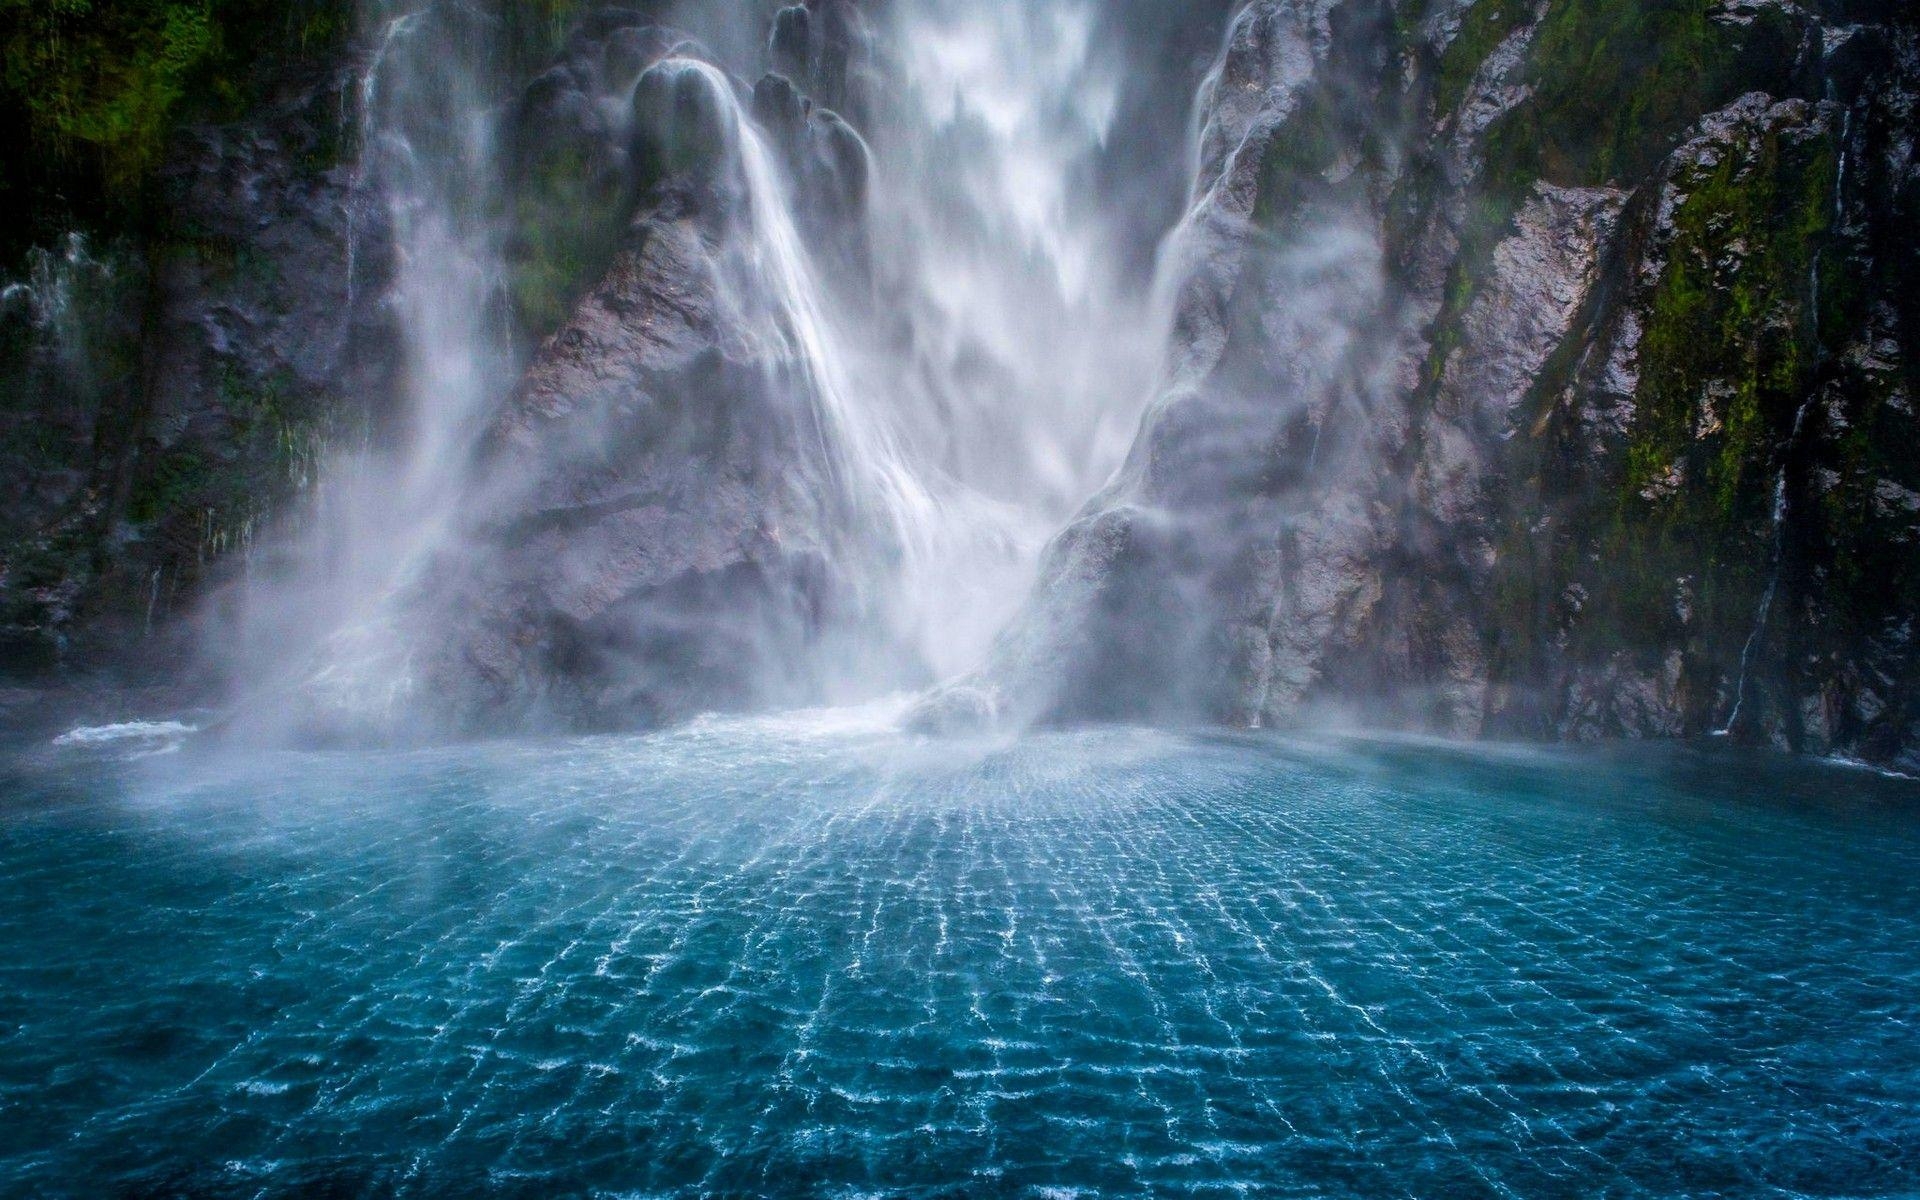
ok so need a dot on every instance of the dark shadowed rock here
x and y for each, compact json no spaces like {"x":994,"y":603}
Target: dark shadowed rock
{"x":220,"y":354}
{"x":825,"y":48}
{"x":654,"y":546}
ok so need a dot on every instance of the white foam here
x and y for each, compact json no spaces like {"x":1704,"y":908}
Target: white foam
{"x":1855,"y":764}
{"x":876,"y":716}
{"x":129,"y":731}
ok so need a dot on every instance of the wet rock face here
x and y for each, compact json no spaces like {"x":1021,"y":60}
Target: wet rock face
{"x":656,"y":547}
{"x":593,"y":135}
{"x":663,"y":529}
{"x":657,"y":517}
{"x":200,"y":366}
{"x":270,"y":309}
{"x":830,"y":168}
{"x":825,"y":48}
{"x":1520,"y":394}
{"x":572,"y":177}
{"x":68,"y":365}
{"x":1543,"y":369}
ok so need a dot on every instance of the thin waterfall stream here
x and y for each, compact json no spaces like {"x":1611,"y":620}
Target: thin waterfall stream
{"x":427,"y":119}
{"x":1782,"y":504}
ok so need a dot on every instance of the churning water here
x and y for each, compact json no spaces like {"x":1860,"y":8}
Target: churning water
{"x":808,"y":956}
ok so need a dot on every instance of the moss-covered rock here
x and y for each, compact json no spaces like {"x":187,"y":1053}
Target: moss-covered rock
{"x":91,"y":93}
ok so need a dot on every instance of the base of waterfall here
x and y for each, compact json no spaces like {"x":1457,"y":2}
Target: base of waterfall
{"x":810,"y":955}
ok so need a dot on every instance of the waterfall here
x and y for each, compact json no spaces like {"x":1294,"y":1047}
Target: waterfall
{"x":971,"y":396}
{"x":864,"y":445}
{"x":1840,"y":172}
{"x":1781,"y":505}
{"x":908,"y":526}
{"x":990,"y":381}
{"x":331,"y":626}
{"x":1775,"y":562}
{"x":57,"y":298}
{"x":1024,"y":350}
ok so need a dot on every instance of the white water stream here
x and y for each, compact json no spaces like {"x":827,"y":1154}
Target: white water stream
{"x":973,"y":398}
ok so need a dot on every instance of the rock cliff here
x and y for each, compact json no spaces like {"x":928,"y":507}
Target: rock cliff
{"x":1538,"y":370}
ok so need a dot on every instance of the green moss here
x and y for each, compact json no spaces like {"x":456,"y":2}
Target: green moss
{"x":1732,"y":335}
{"x":1733,"y":341}
{"x":178,"y":478}
{"x":91,"y":91}
{"x":1729,"y":353}
{"x":1488,"y":221}
{"x":534,"y":30}
{"x":566,"y":226}
{"x":105,"y":82}
{"x":198,"y":502}
{"x":1727,"y":360}
{"x":1301,"y":151}
{"x":1484,"y":27}
{"x":1618,"y":82}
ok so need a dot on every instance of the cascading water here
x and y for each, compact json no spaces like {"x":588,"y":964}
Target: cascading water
{"x":989,"y":380}
{"x":332,"y":630}
{"x":1776,"y":560}
{"x":430,"y":128}
{"x":1782,"y":502}
{"x":887,"y":493}
{"x":62,"y":304}
{"x":968,"y":401}
{"x":1020,"y":345}
{"x":800,"y":393}
{"x":53,"y":297}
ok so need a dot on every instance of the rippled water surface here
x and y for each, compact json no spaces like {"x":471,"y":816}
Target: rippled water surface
{"x":801,"y":957}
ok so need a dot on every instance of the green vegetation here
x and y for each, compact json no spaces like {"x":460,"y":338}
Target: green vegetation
{"x":1299,"y":153}
{"x":1733,"y":312}
{"x":1616,"y":86}
{"x":199,"y":502}
{"x":93,"y":94}
{"x":1617,"y":83}
{"x":534,"y":31}
{"x":566,"y":226}
{"x":1729,"y":352}
{"x":90,"y":90}
{"x":1482,"y":29}
{"x":1731,"y":338}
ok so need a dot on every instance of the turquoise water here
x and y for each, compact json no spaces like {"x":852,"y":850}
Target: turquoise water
{"x":811,"y":957}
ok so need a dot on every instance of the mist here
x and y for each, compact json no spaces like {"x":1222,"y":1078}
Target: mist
{"x":938,"y":310}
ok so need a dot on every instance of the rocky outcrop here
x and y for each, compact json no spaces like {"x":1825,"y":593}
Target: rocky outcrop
{"x":825,"y":48}
{"x":268,"y":337}
{"x":667,"y":523}
{"x":1515,"y":392}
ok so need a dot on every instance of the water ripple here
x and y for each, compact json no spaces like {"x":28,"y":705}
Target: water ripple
{"x":814,"y":958}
